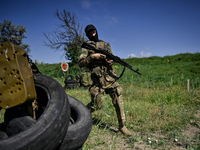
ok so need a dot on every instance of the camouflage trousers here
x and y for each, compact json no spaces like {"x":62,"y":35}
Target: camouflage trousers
{"x":115,"y":92}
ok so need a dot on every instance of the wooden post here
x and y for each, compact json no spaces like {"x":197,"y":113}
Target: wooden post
{"x":188,"y":85}
{"x":64,"y":74}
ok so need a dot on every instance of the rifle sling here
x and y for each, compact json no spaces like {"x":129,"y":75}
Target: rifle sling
{"x":117,"y":78}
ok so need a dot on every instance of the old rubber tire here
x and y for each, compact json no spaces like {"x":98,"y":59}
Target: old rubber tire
{"x":80,"y":127}
{"x":19,"y":123}
{"x":51,"y":127}
{"x":3,"y":133}
{"x":70,"y":83}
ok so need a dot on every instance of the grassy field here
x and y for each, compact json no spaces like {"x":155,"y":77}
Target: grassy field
{"x":160,"y":111}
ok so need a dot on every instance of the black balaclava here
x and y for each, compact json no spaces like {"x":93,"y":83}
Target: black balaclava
{"x":89,"y":28}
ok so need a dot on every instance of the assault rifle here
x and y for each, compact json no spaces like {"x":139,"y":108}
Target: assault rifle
{"x":110,"y":56}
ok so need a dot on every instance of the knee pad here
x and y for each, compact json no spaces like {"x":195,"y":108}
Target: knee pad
{"x":119,"y":90}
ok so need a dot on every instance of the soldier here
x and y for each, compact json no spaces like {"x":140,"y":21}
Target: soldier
{"x":102,"y":76}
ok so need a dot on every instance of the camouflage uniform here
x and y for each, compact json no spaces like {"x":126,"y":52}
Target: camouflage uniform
{"x":103,"y":79}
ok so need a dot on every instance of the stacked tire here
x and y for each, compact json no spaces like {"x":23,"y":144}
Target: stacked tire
{"x":70,"y":82}
{"x":62,"y":122}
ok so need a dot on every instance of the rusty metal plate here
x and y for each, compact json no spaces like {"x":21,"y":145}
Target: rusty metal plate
{"x":16,"y":78}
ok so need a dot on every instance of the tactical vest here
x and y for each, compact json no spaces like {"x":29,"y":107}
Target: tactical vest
{"x":99,"y":45}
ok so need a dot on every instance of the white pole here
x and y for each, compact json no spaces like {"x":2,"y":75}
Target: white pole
{"x":188,"y":85}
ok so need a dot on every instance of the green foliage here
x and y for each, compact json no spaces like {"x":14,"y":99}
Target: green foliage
{"x":68,"y":34}
{"x":169,"y":70}
{"x":72,"y":51}
{"x":55,"y":71}
{"x":14,"y":34}
{"x":163,"y":69}
{"x":2,"y":111}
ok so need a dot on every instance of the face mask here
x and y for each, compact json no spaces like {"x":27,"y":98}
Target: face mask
{"x":88,"y":29}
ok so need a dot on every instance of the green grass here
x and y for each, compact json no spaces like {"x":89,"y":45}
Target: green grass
{"x":166,"y":110}
{"x":157,"y":104}
{"x":169,"y":70}
{"x":148,"y":109}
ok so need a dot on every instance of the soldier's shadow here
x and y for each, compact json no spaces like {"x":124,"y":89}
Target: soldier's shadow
{"x":102,"y":125}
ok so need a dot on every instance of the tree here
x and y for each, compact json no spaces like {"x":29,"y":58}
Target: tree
{"x":68,"y":36}
{"x":14,"y":34}
{"x":72,"y":52}
{"x":36,"y":61}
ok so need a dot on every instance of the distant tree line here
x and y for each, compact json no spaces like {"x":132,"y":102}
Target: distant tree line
{"x":38,"y":63}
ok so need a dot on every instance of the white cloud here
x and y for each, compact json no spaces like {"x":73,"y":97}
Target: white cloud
{"x":85,"y":4}
{"x":142,"y":54}
{"x":131,"y":55}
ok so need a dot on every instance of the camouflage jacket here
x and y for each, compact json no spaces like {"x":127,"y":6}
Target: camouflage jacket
{"x":86,"y":61}
{"x":97,"y":67}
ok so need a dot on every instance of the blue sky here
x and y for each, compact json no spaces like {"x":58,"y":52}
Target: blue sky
{"x":134,"y":28}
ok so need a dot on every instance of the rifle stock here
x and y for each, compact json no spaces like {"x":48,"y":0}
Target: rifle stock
{"x":109,"y":55}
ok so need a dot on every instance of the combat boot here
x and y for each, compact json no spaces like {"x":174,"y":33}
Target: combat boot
{"x":90,"y":107}
{"x":125,"y":131}
{"x":91,"y":110}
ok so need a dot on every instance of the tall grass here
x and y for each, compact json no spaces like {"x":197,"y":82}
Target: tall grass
{"x":169,"y":70}
{"x":159,"y":109}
